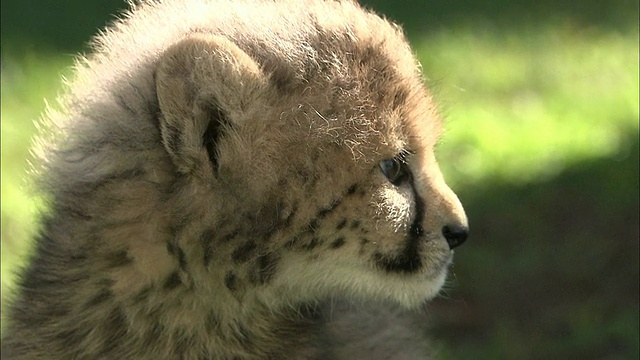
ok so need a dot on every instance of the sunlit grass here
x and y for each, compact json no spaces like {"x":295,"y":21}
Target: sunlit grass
{"x":26,"y":83}
{"x":524,"y":105}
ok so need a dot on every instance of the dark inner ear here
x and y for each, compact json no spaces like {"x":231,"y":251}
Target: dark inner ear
{"x":217,"y":121}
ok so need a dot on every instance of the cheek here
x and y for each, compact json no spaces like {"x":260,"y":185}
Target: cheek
{"x":394,"y":208}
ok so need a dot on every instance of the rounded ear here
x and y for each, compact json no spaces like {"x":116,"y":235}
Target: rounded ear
{"x":202,"y":82}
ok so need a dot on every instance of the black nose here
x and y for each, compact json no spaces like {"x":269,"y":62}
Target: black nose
{"x":455,"y":235}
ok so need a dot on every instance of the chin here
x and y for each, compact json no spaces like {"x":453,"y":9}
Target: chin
{"x":415,"y":293}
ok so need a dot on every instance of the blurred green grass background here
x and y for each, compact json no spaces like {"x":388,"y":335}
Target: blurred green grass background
{"x":541,"y":104}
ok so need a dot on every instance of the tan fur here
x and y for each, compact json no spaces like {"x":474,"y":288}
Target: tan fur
{"x":214,"y":185}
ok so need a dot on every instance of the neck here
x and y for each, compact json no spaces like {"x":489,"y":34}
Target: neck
{"x":228,"y":329}
{"x":149,"y":289}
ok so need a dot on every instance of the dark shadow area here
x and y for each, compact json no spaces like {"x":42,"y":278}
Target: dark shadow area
{"x":551,"y":269}
{"x":67,"y":25}
{"x":420,"y":17}
{"x":64,"y":26}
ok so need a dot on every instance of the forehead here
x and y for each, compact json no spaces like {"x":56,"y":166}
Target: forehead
{"x":379,"y":95}
{"x":353,"y":76}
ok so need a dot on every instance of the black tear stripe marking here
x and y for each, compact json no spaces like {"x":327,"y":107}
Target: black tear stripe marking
{"x":217,"y":120}
{"x":416,"y":230}
{"x":409,"y":260}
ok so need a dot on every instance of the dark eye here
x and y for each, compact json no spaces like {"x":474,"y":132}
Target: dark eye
{"x":395,"y":170}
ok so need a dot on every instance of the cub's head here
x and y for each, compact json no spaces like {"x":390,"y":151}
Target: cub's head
{"x":305,"y":150}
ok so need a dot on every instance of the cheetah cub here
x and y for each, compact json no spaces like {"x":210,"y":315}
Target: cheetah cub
{"x":221,"y":175}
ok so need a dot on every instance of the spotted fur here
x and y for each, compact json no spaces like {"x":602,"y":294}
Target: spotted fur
{"x":213,"y":186}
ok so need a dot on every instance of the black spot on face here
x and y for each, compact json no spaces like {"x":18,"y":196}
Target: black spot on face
{"x":355,"y":224}
{"x":206,"y":239}
{"x":101,"y":297}
{"x":322,"y":213}
{"x":119,"y":259}
{"x":176,"y":251}
{"x":287,"y":221}
{"x":211,"y":322}
{"x":231,"y":281}
{"x":242,"y":335}
{"x":153,"y":334}
{"x":399,"y":98}
{"x":172,"y":281}
{"x":114,"y":330}
{"x":352,"y":189}
{"x":230,"y":236}
{"x":313,"y":225}
{"x":143,"y":295}
{"x":312,"y":243}
{"x":337,"y":243}
{"x":266,"y":268}
{"x":363,"y":244}
{"x":243,"y":253}
{"x":341,"y":224}
{"x":294,"y":241}
{"x":182,"y":342}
